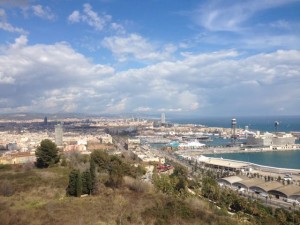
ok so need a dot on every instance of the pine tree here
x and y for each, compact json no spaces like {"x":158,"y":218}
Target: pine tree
{"x":46,"y":154}
{"x":78,"y":185}
{"x":86,"y":182}
{"x":71,"y":189}
{"x":75,"y":184}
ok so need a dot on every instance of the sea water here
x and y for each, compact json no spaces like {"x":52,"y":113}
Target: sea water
{"x":260,"y":123}
{"x":282,"y":159}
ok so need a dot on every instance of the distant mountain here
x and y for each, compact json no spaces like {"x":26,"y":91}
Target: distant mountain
{"x":29,"y":116}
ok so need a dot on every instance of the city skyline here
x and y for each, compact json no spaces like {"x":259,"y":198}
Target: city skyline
{"x":113,"y":57}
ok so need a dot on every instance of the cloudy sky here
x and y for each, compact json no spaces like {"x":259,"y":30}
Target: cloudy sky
{"x":197,"y":57}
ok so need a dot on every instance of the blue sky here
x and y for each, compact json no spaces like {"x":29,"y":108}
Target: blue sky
{"x":206,"y":58}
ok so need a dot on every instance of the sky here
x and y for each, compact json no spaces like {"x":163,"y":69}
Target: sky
{"x":195,"y":57}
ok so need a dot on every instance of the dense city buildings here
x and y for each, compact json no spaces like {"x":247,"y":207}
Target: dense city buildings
{"x":138,"y":136}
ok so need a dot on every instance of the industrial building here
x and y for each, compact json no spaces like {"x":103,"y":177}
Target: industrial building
{"x":259,"y":186}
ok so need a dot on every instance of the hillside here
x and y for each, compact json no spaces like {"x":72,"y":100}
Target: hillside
{"x":38,"y":196}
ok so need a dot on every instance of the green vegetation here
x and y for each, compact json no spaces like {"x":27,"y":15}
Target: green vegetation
{"x":253,"y":211}
{"x":75,"y":185}
{"x":86,"y":182}
{"x":175,"y":184}
{"x":47,"y":154}
{"x":115,"y":195}
{"x":79,"y":183}
{"x":5,"y":167}
{"x":115,"y":167}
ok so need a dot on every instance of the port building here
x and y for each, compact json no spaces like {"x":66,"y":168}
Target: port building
{"x":259,"y":186}
{"x":270,"y":139}
{"x":223,"y":164}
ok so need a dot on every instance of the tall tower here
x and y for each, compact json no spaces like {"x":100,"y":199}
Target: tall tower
{"x":45,"y":121}
{"x":59,"y":134}
{"x":233,"y":130}
{"x":163,"y":118}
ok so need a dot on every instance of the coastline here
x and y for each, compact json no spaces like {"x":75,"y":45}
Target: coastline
{"x":237,"y":149}
{"x":284,"y":160}
{"x":260,"y":169}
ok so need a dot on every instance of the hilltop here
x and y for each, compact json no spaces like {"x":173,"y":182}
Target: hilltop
{"x":38,"y":196}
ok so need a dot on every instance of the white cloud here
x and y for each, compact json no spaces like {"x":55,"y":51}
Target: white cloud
{"x":118,"y":28}
{"x":288,"y":41}
{"x":116,"y":107}
{"x":43,"y":12}
{"x":187,"y":100}
{"x":47,"y":77}
{"x":6,"y":26}
{"x":229,"y":15}
{"x":56,"y":78}
{"x":75,"y":17}
{"x":170,"y":110}
{"x":137,"y":47}
{"x":92,"y":18}
{"x":142,"y":109}
{"x":281,"y":24}
{"x":4,"y":79}
{"x":20,"y":42}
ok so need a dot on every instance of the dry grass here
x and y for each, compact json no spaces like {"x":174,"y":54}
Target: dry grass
{"x":39,"y":198}
{"x":111,"y":207}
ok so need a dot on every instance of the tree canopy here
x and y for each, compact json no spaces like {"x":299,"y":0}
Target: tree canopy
{"x":46,"y":154}
{"x":115,"y":167}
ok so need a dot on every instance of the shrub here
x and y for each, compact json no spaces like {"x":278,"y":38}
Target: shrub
{"x":5,"y":167}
